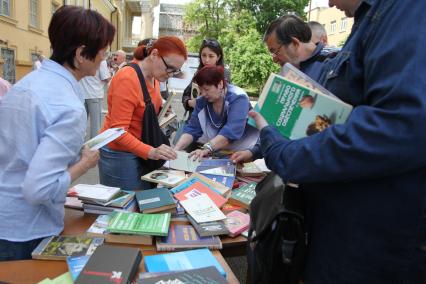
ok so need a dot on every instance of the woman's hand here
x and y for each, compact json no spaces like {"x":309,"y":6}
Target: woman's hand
{"x":242,"y":157}
{"x":162,"y":152}
{"x":258,"y":118}
{"x":199,"y":154}
{"x":191,"y":103}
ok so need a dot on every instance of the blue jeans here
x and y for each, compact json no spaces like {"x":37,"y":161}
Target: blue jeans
{"x":17,"y":250}
{"x":121,"y":169}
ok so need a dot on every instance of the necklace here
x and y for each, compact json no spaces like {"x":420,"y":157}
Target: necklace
{"x":218,"y":126}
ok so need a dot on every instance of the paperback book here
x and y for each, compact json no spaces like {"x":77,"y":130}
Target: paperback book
{"x":177,"y":261}
{"x":237,"y":223}
{"x":168,"y":178}
{"x":196,"y":177}
{"x":183,"y":237}
{"x":155,"y":200}
{"x":206,"y":275}
{"x":297,"y":111}
{"x":244,"y":195}
{"x":94,"y":192}
{"x":76,"y":264}
{"x":139,"y":224}
{"x":111,"y":264}
{"x":202,"y":209}
{"x":100,"y":209}
{"x":213,"y":228}
{"x":104,"y":138}
{"x":198,"y":188}
{"x":221,"y":167}
{"x":183,"y":162}
{"x":60,"y":247}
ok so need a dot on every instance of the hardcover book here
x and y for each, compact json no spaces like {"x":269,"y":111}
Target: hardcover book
{"x":59,"y":247}
{"x":206,"y":275}
{"x":183,"y":237}
{"x":76,"y":264}
{"x":244,"y":195}
{"x":104,"y":138}
{"x":168,"y":178}
{"x":213,"y":228}
{"x":100,"y":209}
{"x":237,"y":223}
{"x":297,"y":111}
{"x":155,"y":200}
{"x":99,"y":229}
{"x":111,"y":264}
{"x":177,"y":261}
{"x":202,"y":209}
{"x":196,"y":177}
{"x":139,"y":224}
{"x":197,"y":189}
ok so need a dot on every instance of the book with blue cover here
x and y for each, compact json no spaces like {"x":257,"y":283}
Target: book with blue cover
{"x":197,"y":177}
{"x":207,"y":275}
{"x":178,"y":261}
{"x":220,"y":167}
{"x":76,"y":264}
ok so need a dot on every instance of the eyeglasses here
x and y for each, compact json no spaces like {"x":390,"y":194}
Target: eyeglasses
{"x":210,"y":42}
{"x":276,"y":52}
{"x":169,"y":69}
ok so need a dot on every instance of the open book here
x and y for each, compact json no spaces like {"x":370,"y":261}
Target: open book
{"x":298,"y":107}
{"x":104,"y":138}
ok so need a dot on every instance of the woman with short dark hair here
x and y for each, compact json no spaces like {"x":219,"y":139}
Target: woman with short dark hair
{"x":42,"y":130}
{"x":219,"y":120}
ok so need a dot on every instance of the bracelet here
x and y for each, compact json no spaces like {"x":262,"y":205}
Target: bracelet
{"x":208,"y":146}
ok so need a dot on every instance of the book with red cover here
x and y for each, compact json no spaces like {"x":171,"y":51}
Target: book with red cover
{"x":237,"y":222}
{"x":197,"y":189}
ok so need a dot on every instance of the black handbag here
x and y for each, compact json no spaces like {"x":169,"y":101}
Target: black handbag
{"x":277,"y":240}
{"x":151,"y":131}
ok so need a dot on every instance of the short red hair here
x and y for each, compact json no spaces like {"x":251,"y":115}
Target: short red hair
{"x":165,"y":45}
{"x":210,"y":75}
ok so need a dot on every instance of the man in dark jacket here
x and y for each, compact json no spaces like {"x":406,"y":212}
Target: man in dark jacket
{"x":365,"y":181}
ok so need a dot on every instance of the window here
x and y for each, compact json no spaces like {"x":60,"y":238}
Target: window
{"x":343,"y":24}
{"x":34,"y":13}
{"x":55,"y":7}
{"x":333,"y":27}
{"x":9,"y":67}
{"x":5,"y":7}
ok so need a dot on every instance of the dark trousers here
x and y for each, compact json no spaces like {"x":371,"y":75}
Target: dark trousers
{"x":17,"y":250}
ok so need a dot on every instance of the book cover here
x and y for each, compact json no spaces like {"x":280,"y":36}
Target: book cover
{"x":237,"y":222}
{"x":155,"y":200}
{"x":166,"y":120}
{"x":183,"y":162}
{"x":76,"y":264}
{"x":249,"y":169}
{"x":104,"y":138}
{"x":59,"y":247}
{"x":111,"y":264}
{"x":94,"y":192}
{"x":168,"y":178}
{"x":297,"y":111}
{"x":166,"y":106}
{"x":73,"y":203}
{"x":177,"y":261}
{"x":202,"y":209}
{"x":198,"y":188}
{"x":227,"y":181}
{"x":99,"y":229}
{"x":132,"y":206}
{"x":185,"y":237}
{"x":213,"y":228}
{"x":244,"y":195}
{"x":196,"y":177}
{"x":220,"y":167}
{"x":229,"y":207}
{"x":140,"y":224}
{"x":206,"y":275}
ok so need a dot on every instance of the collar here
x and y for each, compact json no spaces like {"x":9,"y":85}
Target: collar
{"x":317,"y":51}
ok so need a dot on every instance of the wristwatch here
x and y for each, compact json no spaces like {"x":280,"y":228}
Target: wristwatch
{"x":208,"y":146}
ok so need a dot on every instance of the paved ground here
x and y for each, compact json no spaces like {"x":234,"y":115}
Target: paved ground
{"x":237,"y":264}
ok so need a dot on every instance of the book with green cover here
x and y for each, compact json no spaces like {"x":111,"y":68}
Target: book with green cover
{"x":244,"y":195}
{"x":140,"y":224}
{"x":297,"y":111}
{"x":155,"y":200}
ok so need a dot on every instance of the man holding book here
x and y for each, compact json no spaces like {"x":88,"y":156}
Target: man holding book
{"x":364,"y":180}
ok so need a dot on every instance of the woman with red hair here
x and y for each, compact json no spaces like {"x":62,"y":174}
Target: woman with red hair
{"x":126,"y":159}
{"x":219,"y":120}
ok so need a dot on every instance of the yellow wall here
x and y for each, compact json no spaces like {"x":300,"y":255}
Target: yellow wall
{"x":326,"y":16}
{"x":17,"y":34}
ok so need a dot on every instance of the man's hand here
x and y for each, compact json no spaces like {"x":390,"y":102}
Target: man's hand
{"x":258,"y":118}
{"x":162,"y":152}
{"x":242,"y":157}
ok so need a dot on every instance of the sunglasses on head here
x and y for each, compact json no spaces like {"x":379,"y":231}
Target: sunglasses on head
{"x":210,"y":42}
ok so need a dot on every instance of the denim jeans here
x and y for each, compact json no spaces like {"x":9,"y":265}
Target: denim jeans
{"x":17,"y":250}
{"x":121,"y":169}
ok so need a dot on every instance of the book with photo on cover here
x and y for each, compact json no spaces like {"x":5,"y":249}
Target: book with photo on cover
{"x":59,"y":247}
{"x":297,"y":111}
{"x":206,"y":275}
{"x":168,"y":178}
{"x":104,"y":138}
{"x":183,"y":237}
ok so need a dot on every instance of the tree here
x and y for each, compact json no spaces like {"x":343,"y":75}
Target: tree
{"x":265,"y":11}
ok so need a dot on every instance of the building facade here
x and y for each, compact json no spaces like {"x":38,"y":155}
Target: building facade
{"x":337,"y":25}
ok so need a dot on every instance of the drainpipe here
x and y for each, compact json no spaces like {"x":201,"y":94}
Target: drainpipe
{"x":117,"y":30}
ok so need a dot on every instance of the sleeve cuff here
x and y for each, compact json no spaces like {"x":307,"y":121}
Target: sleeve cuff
{"x":269,"y":135}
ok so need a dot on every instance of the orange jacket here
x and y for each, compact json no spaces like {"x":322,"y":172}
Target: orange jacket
{"x":126,"y":108}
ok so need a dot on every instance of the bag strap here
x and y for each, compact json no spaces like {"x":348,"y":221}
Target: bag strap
{"x":146,"y":96}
